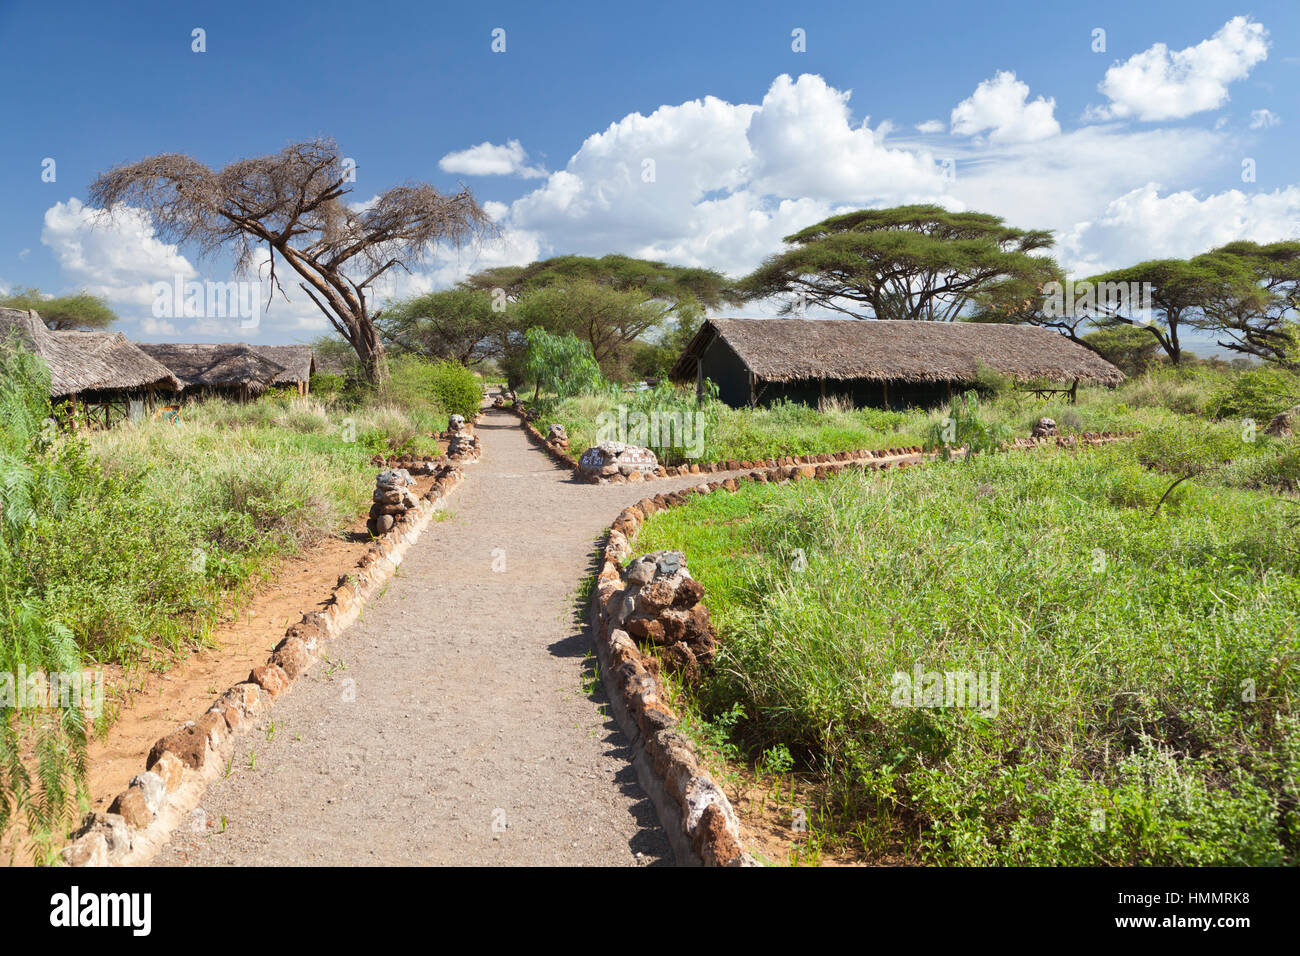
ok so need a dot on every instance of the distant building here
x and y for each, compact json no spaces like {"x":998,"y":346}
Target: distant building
{"x":870,"y":362}
{"x":101,"y":371}
{"x":235,"y":370}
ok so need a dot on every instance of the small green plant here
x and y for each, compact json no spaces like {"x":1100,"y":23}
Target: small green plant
{"x":965,"y":427}
{"x":777,"y":759}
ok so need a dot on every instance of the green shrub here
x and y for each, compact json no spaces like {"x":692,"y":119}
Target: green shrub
{"x":418,"y":385}
{"x":1257,"y":394}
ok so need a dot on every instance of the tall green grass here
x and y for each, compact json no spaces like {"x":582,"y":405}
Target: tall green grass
{"x":1148,"y":660}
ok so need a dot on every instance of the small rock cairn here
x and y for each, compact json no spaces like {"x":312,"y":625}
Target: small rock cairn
{"x":461,"y":442}
{"x":1045,"y":428}
{"x":660,"y":604}
{"x":557,"y":438}
{"x":393,"y":498}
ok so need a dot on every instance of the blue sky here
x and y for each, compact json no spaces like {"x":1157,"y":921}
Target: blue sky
{"x":1132,"y":152}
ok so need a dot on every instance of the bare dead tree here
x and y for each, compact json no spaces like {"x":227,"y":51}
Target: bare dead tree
{"x":292,"y":203}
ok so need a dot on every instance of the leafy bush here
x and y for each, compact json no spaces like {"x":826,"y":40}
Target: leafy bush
{"x":415,"y":383}
{"x":965,"y":427}
{"x":1179,"y":391}
{"x":37,"y":479}
{"x":560,"y":366}
{"x":1191,"y":447}
{"x":1258,"y":394}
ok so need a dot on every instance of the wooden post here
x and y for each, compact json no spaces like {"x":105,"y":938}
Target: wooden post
{"x":699,"y":379}
{"x":884,"y":388}
{"x":1074,"y":392}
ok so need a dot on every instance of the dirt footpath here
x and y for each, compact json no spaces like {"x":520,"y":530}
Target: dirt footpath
{"x":459,"y":720}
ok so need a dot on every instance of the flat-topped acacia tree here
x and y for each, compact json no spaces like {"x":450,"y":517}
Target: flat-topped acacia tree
{"x":909,"y":262}
{"x":292,"y":202}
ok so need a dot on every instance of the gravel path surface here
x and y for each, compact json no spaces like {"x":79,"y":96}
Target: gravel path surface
{"x":459,"y":721}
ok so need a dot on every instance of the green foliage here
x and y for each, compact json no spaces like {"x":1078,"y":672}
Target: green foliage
{"x":81,"y":310}
{"x":607,"y":319}
{"x":965,"y":427}
{"x":1258,"y":394}
{"x":1179,"y":290}
{"x":34,"y":488}
{"x":1146,"y":665}
{"x":908,"y":262}
{"x":673,"y":285}
{"x":560,"y":365}
{"x":1190,"y":447}
{"x":457,"y":325}
{"x":1132,"y":350}
{"x":450,"y":386}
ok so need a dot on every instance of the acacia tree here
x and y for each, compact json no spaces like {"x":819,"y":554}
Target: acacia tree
{"x":614,"y":302}
{"x":81,"y":310}
{"x":668,"y":285}
{"x":607,"y":319}
{"x":1161,"y":296}
{"x":457,"y":324}
{"x":909,"y":262}
{"x":292,"y":203}
{"x":1256,"y":302}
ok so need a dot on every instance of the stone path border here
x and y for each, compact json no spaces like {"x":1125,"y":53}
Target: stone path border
{"x":907,"y":453}
{"x":180,"y":765}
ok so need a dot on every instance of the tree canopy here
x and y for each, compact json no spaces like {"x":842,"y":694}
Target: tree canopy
{"x":668,"y":284}
{"x":1177,"y":291}
{"x":291,"y":203}
{"x":459,"y":324}
{"x":1255,"y":303}
{"x":81,"y":310}
{"x":908,"y":262}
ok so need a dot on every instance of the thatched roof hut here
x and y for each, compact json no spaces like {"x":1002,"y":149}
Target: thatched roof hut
{"x":232,"y":368}
{"x":756,"y":360}
{"x":95,"y":365}
{"x":298,"y":362}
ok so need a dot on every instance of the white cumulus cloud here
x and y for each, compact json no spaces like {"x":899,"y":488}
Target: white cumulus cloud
{"x":1001,"y":106}
{"x":1143,"y":224}
{"x":1160,"y":84}
{"x":118,"y":257}
{"x":487,"y":159}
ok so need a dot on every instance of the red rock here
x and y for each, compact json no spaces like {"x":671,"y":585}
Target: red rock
{"x":130,"y":804}
{"x":689,"y":593}
{"x":271,"y":678}
{"x":713,"y":839}
{"x":170,"y":769}
{"x":293,"y":657}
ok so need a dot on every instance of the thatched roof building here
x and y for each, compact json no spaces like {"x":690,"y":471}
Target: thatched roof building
{"x":876,"y":362}
{"x":235,"y":369}
{"x":298,"y":362}
{"x":96,"y":366}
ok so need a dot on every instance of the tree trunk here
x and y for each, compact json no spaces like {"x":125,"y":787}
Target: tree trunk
{"x":371,"y":353}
